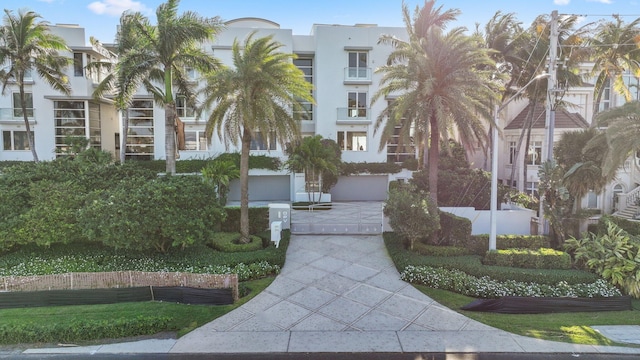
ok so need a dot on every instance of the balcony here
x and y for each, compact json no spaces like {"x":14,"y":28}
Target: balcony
{"x":14,"y":116}
{"x":357,"y":76}
{"x":354,"y":116}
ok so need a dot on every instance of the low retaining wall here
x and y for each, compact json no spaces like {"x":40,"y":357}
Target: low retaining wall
{"x":119,"y":279}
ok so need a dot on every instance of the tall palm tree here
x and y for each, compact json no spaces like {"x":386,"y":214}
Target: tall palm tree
{"x":622,"y":135}
{"x":615,"y":49}
{"x":444,"y":85}
{"x":160,"y":55}
{"x":26,"y":44}
{"x":256,"y":98}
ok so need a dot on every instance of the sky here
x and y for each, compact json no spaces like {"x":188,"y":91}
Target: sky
{"x":100,"y":17}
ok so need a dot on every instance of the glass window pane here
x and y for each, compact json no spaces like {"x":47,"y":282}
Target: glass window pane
{"x":6,"y":140}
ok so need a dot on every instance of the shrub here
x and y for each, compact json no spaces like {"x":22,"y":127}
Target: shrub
{"x":479,"y":244}
{"x":454,"y":230}
{"x":542,"y":258}
{"x":228,"y":242}
{"x":258,"y":219}
{"x":171,"y":211}
{"x":412,"y":215}
{"x":485,"y":287}
{"x":352,"y":168}
{"x":614,"y":255}
{"x":440,"y":251}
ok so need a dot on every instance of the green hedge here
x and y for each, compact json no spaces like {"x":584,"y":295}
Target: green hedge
{"x":472,"y":265}
{"x":227,"y":242}
{"x":454,"y":230}
{"x":631,"y":227}
{"x":443,"y":251}
{"x":258,"y":219}
{"x":542,"y":258}
{"x":479,"y":244}
{"x":353,"y":168}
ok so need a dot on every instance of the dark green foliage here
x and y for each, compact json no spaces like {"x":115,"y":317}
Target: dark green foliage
{"x":36,"y":332}
{"x":258,"y":219}
{"x":440,"y":251}
{"x":631,"y":227}
{"x":351,"y":168}
{"x":472,"y":265}
{"x":412,"y":215}
{"x":543,"y":258}
{"x":255,"y":161}
{"x":454,"y":230}
{"x":410,"y":164}
{"x":228,"y":242}
{"x":170,"y":211}
{"x":191,"y":166}
{"x":479,"y":244}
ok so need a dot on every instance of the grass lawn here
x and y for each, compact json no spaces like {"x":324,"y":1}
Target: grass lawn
{"x":184,"y":318}
{"x":565,"y":327}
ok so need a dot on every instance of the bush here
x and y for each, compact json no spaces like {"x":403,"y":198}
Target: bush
{"x":258,"y":219}
{"x":170,"y":211}
{"x":454,"y":230}
{"x":228,"y":242}
{"x":440,"y":251}
{"x":351,"y":168}
{"x":479,"y":244}
{"x":614,"y":255}
{"x":542,"y":258}
{"x":412,"y":215}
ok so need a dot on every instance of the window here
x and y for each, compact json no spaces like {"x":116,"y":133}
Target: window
{"x":397,"y":152}
{"x":532,"y":188}
{"x":306,"y":66}
{"x":17,"y":108}
{"x":69,"y":120}
{"x":140,"y":142}
{"x":95,"y":129}
{"x":183,"y":109}
{"x":195,"y":140}
{"x":191,"y":74}
{"x":357,"y":104}
{"x":534,"y":155}
{"x":78,"y":65}
{"x":512,"y":152}
{"x":617,"y":190}
{"x":352,"y":140}
{"x":358,"y":65}
{"x":15,"y":140}
{"x":605,"y":101}
{"x":258,"y":142}
{"x":592,"y":200}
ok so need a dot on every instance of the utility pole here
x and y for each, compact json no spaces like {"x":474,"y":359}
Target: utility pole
{"x":550,"y":108}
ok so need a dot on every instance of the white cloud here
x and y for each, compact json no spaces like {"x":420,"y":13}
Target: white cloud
{"x":115,"y":7}
{"x":561,"y":2}
{"x":602,"y":1}
{"x":47,"y":1}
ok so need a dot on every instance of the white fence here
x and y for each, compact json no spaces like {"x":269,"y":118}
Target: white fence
{"x":516,"y":221}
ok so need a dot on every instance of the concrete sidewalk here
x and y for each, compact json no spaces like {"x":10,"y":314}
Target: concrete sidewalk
{"x":343,"y":294}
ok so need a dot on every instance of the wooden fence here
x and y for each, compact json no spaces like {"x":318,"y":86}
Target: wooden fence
{"x":118,"y":279}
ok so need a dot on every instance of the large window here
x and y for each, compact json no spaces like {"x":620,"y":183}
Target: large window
{"x":534,"y":155}
{"x":78,"y":64}
{"x":15,"y":140}
{"x":352,"y":140}
{"x":358,"y":64}
{"x":17,"y":108}
{"x":306,"y":66}
{"x":260,"y":143}
{"x":95,"y":129}
{"x":512,"y":152}
{"x":532,"y":188}
{"x":140,"y":143}
{"x":183,"y":109}
{"x":70,"y":120}
{"x":357,"y":104}
{"x":397,"y":152}
{"x":195,"y":140}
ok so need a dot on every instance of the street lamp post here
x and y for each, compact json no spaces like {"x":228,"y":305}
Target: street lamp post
{"x":494,"y":160}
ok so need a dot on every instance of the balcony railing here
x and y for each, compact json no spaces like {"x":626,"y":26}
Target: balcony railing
{"x":15,"y":114}
{"x":357,"y":74}
{"x":354,"y":115}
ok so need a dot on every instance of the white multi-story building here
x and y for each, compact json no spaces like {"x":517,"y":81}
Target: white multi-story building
{"x":339,"y":60}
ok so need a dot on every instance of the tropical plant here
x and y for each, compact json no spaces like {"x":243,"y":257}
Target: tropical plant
{"x":615,"y":49}
{"x":220,"y":173}
{"x":158,"y":57}
{"x":558,"y":202}
{"x":26,"y":44}
{"x":317,"y":160}
{"x":443,"y":82}
{"x":412,"y":214}
{"x":256,"y":98}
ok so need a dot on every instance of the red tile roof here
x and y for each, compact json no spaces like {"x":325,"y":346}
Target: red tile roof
{"x":564,"y":119}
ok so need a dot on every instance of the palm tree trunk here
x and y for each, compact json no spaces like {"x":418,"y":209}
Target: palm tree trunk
{"x":170,"y":137}
{"x":123,"y":135}
{"x":27,"y":127}
{"x":244,"y":186}
{"x":434,"y":158}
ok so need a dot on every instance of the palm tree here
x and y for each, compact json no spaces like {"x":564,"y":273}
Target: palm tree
{"x":256,"y":99}
{"x":159,"y":56}
{"x":443,"y":81}
{"x":220,"y":173}
{"x":615,"y":49}
{"x":26,"y":44}
{"x":622,"y":135}
{"x":317,"y":160}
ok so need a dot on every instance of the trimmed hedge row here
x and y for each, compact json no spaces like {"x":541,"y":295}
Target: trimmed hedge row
{"x":443,"y":251}
{"x":479,"y":244}
{"x":543,"y":258}
{"x":227,"y":242}
{"x":454,"y":230}
{"x":472,"y":265}
{"x":258,"y":219}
